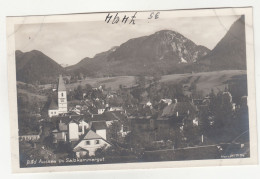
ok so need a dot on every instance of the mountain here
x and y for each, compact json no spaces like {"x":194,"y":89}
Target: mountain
{"x":36,"y":68}
{"x":96,"y":66}
{"x":230,"y":52}
{"x":164,"y":52}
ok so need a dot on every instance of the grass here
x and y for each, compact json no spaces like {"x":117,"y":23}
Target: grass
{"x":111,"y":82}
{"x":205,"y":80}
{"x":32,"y":95}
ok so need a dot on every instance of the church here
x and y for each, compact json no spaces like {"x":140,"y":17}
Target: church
{"x":62,"y":107}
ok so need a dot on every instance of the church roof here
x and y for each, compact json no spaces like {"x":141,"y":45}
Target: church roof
{"x":61,"y":86}
{"x":53,"y":106}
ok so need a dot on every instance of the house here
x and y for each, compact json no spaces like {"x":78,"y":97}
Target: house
{"x":70,"y":129}
{"x":89,"y":143}
{"x":178,"y":109}
{"x":146,"y":103}
{"x":98,"y":107}
{"x":88,"y":135}
{"x":60,"y":134}
{"x":166,"y":101}
{"x":53,"y":109}
{"x":99,"y":127}
{"x":197,"y":102}
{"x":116,"y":108}
{"x":107,"y":116}
{"x":76,"y":110}
{"x":149,"y":104}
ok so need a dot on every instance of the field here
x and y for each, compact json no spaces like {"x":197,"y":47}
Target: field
{"x":205,"y":80}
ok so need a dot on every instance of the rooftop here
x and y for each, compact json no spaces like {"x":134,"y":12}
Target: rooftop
{"x":91,"y":135}
{"x":53,"y":105}
{"x":98,"y":125}
{"x":181,"y":107}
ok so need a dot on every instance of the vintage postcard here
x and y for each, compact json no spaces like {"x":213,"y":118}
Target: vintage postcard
{"x":131,"y":90}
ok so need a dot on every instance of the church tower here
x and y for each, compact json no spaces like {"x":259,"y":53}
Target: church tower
{"x":62,"y":96}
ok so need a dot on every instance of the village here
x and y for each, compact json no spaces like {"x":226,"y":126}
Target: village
{"x":137,"y":123}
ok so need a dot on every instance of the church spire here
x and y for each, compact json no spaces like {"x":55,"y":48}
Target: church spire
{"x":61,"y":86}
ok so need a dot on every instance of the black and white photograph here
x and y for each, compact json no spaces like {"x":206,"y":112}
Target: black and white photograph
{"x":139,"y":87}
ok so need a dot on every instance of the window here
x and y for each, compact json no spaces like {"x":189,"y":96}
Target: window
{"x":97,"y":141}
{"x":61,"y":94}
{"x":88,"y":142}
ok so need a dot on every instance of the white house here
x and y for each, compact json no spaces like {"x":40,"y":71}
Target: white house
{"x":149,"y":103}
{"x":70,"y":131}
{"x":116,"y":109}
{"x":73,"y":131}
{"x":166,"y":101}
{"x":53,"y":109}
{"x":89,"y":144}
{"x":101,"y":110}
{"x":100,"y":128}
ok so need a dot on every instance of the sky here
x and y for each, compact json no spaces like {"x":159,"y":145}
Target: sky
{"x":68,"y":43}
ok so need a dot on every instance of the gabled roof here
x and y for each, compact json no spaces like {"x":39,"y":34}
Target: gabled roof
{"x":68,"y":119}
{"x":106,"y":116}
{"x":99,"y":105}
{"x":91,"y":135}
{"x":98,"y":125}
{"x":180,"y":107}
{"x":61,"y":86}
{"x":55,"y":130}
{"x":165,"y":100}
{"x":53,"y":106}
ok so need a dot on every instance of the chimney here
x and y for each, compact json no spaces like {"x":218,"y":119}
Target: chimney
{"x":92,"y":115}
{"x":176,"y":101}
{"x":177,"y":113}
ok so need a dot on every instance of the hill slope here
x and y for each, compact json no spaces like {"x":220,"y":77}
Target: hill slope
{"x":165,"y":52}
{"x":35,"y":67}
{"x":230,"y":52}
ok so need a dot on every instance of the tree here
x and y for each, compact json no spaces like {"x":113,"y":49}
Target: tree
{"x":156,"y":78}
{"x":114,"y":130}
{"x":79,"y":92}
{"x":140,"y":81}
